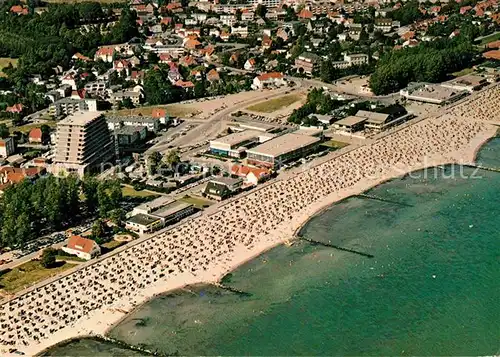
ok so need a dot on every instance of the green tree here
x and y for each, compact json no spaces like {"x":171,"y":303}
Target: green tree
{"x":4,"y":131}
{"x":98,"y":229}
{"x":154,"y":160}
{"x":48,"y":259}
{"x":172,"y":158}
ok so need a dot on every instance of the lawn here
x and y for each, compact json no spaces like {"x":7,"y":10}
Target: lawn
{"x":4,"y":62}
{"x":335,"y":144}
{"x":196,"y":201}
{"x":273,"y":105}
{"x":463,"y":72}
{"x":27,"y":128}
{"x":131,"y":192}
{"x":28,"y":274}
{"x":174,"y":110}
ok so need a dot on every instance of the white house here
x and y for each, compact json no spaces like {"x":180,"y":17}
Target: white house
{"x":267,"y":79}
{"x":82,"y":247}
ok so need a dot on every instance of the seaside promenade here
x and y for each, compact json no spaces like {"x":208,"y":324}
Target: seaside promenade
{"x":92,"y":299}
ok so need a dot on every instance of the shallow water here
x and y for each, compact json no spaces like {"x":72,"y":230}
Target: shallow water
{"x":432,"y":287}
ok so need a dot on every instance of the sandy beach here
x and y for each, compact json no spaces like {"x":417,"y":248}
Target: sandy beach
{"x":93,"y":298}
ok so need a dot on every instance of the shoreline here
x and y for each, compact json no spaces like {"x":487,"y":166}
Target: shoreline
{"x":254,"y":223}
{"x":323,"y":206}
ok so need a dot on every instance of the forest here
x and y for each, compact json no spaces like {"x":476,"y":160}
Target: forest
{"x":31,"y":209}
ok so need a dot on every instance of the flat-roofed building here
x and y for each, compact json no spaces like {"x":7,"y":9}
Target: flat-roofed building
{"x":281,"y":149}
{"x":68,"y":106}
{"x":83,"y":142}
{"x":233,"y":145}
{"x":386,"y":117}
{"x":432,"y":93}
{"x":174,"y":212}
{"x":350,"y":124}
{"x":469,"y":83}
{"x":143,"y":223}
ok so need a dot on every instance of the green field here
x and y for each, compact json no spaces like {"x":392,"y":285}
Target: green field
{"x":273,"y":105}
{"x":174,"y":110}
{"x":28,"y":274}
{"x":131,"y":192}
{"x":463,"y":72}
{"x":112,"y":244}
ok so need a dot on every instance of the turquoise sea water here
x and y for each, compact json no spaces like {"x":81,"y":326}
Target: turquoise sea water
{"x":431,"y":288}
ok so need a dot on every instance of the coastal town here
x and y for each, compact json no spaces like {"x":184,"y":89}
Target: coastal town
{"x":171,"y":142}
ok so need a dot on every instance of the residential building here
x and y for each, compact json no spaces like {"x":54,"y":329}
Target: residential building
{"x":127,"y":136}
{"x":222,"y":187}
{"x":135,"y":95}
{"x":383,"y":24}
{"x":351,"y":60}
{"x":251,"y":175}
{"x":228,"y":20}
{"x":250,"y":64}
{"x":15,"y":109}
{"x":7,"y":147}
{"x":281,"y":149}
{"x":36,"y":136}
{"x":83,"y":248}
{"x":268,"y":79}
{"x":308,"y":62}
{"x":241,"y":31}
{"x":83,"y":142}
{"x":96,"y":87}
{"x":105,"y":54}
{"x":68,"y":106}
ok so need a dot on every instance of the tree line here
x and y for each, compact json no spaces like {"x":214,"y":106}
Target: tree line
{"x":31,"y":209}
{"x":428,"y":62}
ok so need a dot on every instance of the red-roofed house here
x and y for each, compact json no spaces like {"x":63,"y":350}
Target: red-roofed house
{"x":79,"y":56}
{"x":494,"y":55}
{"x":83,"y":248}
{"x":305,"y":14}
{"x":266,"y":79}
{"x":252,"y":175}
{"x":184,"y":84}
{"x":465,"y":9}
{"x":105,"y":54}
{"x":192,"y":44}
{"x":35,"y":136}
{"x":159,"y":113}
{"x":494,"y":44}
{"x":250,"y":64}
{"x":408,"y":35}
{"x":19,"y":10}
{"x":11,"y":175}
{"x":213,"y":75}
{"x":16,"y":108}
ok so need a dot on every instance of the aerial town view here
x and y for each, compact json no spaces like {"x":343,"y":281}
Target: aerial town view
{"x":249,"y":177}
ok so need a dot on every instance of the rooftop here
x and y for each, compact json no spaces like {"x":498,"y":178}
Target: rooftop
{"x":171,"y":209}
{"x":372,"y":117}
{"x":434,"y":91}
{"x":350,"y":120}
{"x":143,"y":219}
{"x":284,"y":144}
{"x":80,"y":118}
{"x":237,"y":138}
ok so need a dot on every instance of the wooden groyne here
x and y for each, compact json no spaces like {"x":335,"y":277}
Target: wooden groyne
{"x":231,"y":289}
{"x":367,"y":255}
{"x":373,"y":197}
{"x":492,"y":169}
